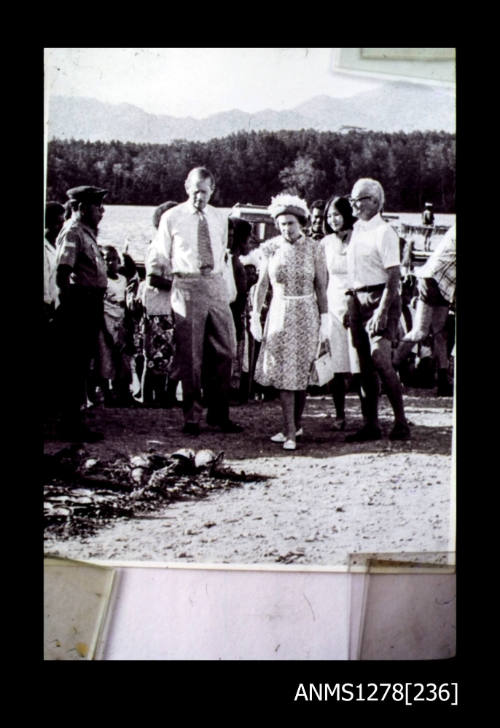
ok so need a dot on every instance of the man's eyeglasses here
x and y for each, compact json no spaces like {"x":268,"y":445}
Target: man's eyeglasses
{"x":352,"y":200}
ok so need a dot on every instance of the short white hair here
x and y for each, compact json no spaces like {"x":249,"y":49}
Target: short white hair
{"x":374,"y":188}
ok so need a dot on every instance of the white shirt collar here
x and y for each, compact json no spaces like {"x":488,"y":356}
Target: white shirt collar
{"x":195,"y":211}
{"x":373,"y":222}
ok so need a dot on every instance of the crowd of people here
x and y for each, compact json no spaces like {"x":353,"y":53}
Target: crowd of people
{"x":219,"y":318}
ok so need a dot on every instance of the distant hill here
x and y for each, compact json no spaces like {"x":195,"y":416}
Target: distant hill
{"x":390,"y":107}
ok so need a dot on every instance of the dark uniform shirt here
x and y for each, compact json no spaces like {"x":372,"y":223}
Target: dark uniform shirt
{"x":77,"y":247}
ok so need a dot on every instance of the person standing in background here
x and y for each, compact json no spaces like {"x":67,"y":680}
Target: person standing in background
{"x":317,"y":220}
{"x":436,"y":294}
{"x":113,"y":361}
{"x":157,"y":385}
{"x":240,"y":233}
{"x":428,"y":222}
{"x":54,"y":220}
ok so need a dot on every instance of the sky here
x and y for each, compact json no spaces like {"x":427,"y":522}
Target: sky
{"x":198,"y":81}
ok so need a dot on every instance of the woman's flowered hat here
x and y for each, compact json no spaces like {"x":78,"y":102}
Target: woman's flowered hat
{"x":286,"y":204}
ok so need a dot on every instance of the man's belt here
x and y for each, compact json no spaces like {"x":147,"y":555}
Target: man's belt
{"x":204,"y":273}
{"x":365,"y":289}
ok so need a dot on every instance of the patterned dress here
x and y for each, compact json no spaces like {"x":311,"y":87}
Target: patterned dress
{"x":157,"y":331}
{"x":290,"y":337}
{"x":158,"y":319}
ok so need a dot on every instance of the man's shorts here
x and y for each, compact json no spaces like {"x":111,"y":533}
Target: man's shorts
{"x":361,"y":308}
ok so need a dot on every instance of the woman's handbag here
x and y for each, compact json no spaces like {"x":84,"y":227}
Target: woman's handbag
{"x":321,"y":368}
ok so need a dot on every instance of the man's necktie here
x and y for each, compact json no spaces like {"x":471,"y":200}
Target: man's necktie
{"x":204,"y":245}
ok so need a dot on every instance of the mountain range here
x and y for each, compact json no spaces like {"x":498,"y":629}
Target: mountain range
{"x":391,"y":107}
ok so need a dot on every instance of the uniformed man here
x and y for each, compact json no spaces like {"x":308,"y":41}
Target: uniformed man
{"x":82,"y":281}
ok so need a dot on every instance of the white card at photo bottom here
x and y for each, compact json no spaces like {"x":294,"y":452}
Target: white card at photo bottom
{"x":77,"y":596}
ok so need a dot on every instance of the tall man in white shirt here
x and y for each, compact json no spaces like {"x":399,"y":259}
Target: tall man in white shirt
{"x":193,"y":238}
{"x":374,"y":307}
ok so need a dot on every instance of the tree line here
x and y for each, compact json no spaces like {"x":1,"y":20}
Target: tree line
{"x":251,"y":167}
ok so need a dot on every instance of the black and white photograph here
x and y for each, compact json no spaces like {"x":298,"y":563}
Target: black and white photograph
{"x":249,"y":308}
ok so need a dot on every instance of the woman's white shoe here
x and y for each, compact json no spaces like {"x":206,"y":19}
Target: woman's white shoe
{"x":280,"y":437}
{"x":289,"y":445}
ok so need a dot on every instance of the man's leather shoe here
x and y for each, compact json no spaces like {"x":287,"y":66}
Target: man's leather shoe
{"x":191,"y":428}
{"x":366,"y":433}
{"x":400,"y":432}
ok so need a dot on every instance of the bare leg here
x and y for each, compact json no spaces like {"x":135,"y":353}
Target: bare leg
{"x":159,"y":388}
{"x":287,"y":399}
{"x":368,"y":377}
{"x":439,"y":316}
{"x":402,"y":352}
{"x":356,"y":384}
{"x":300,"y":401}
{"x":171,"y":399}
{"x":440,"y":351}
{"x":444,"y":386}
{"x":338,"y":394}
{"x":146,"y":386}
{"x":370,"y":388}
{"x":390,"y":380}
{"x":422,"y":322}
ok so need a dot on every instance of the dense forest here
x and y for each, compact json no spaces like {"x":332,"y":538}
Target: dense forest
{"x":250,"y":167}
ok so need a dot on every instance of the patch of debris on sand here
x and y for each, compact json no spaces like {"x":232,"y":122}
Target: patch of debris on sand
{"x":83,"y":494}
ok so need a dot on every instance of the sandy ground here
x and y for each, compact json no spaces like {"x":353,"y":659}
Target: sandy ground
{"x":317,"y":505}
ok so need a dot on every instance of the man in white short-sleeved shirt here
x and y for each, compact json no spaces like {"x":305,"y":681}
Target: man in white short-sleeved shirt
{"x":192,"y":237}
{"x":374,"y":307}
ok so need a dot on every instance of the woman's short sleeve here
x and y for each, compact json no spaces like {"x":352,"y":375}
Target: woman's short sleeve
{"x":269,"y":247}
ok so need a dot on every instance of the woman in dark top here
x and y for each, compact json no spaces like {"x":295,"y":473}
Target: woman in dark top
{"x":240,"y":233}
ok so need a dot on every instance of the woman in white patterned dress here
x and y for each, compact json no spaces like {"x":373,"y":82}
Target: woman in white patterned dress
{"x":294,"y":266}
{"x":338,"y":228}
